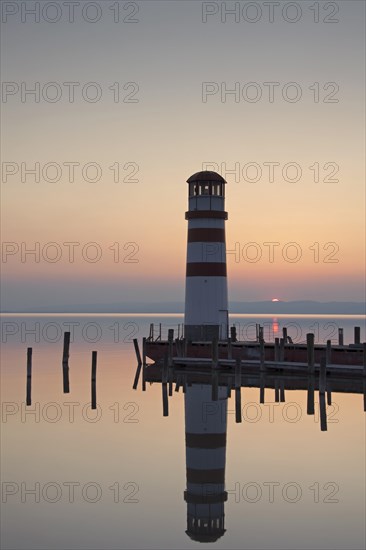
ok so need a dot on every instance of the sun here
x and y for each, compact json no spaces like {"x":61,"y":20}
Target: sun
{"x":275,"y":300}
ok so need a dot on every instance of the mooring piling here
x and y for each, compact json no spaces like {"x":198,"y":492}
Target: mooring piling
{"x":238,"y":390}
{"x":170,"y":346}
{"x":144,"y":352}
{"x":262,"y":389}
{"x":310,"y":407}
{"x":329,"y":352}
{"x":277,"y":349}
{"x":164,"y":386}
{"x":282,"y":349}
{"x":94,"y":381}
{"x":261,"y":351}
{"x":329,"y":393}
{"x":340,"y":337}
{"x":322,"y":389}
{"x":310,"y":351}
{"x":29,"y":377}
{"x":229,"y":349}
{"x":282,"y":391}
{"x":277,"y":391}
{"x":139,"y":363}
{"x":65,"y":363}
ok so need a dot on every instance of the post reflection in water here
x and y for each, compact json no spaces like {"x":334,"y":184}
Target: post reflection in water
{"x":205,"y":425}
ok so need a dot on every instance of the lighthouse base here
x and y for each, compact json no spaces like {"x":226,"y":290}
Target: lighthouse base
{"x":202,"y":333}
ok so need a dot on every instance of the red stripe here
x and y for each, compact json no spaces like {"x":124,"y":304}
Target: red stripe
{"x":206,"y":440}
{"x":206,"y":476}
{"x":205,"y":497}
{"x":194,"y":214}
{"x":206,"y":269}
{"x":206,"y":235}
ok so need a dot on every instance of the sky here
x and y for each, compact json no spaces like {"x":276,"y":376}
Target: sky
{"x":125,"y":111}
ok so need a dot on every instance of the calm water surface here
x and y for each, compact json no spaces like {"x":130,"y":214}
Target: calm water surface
{"x":115,"y":478}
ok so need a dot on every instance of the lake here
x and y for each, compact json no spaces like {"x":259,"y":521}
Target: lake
{"x":115,"y":477}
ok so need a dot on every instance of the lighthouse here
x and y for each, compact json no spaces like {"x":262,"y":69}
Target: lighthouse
{"x":206,"y":301}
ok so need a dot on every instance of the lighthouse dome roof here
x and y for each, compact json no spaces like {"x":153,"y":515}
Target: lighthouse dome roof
{"x":206,"y":175}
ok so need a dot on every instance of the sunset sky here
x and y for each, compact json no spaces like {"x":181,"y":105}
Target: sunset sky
{"x":168,"y":130}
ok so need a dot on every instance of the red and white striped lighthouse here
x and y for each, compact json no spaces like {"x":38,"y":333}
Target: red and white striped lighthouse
{"x":206,"y":304}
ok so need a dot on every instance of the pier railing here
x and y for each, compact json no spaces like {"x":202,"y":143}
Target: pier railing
{"x":159,"y":332}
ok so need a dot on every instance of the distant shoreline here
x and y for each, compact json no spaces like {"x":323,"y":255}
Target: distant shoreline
{"x":177,"y":308}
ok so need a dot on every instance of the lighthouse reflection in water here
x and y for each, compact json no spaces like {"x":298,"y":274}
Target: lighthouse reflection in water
{"x":206,"y":426}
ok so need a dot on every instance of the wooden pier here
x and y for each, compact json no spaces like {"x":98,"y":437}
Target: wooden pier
{"x":280,"y":365}
{"x":264,"y":353}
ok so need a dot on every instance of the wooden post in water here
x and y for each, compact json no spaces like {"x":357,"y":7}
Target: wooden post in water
{"x":65,"y":362}
{"x":329,"y":393}
{"x":144,"y":352}
{"x":170,"y":346}
{"x":357,"y":335}
{"x":261,"y":388}
{"x":238,"y":391}
{"x":277,"y":350}
{"x":322,"y":388}
{"x":94,"y":380}
{"x":261,"y":354}
{"x":29,"y":377}
{"x":178,"y":347}
{"x":282,"y":391}
{"x":277,"y":391}
{"x":364,"y":373}
{"x":215,"y":353}
{"x":170,"y":382}
{"x":329,"y":352}
{"x":144,"y":364}
{"x":340,"y":337}
{"x":282,"y":349}
{"x":164,"y":385}
{"x":185,"y":347}
{"x":233,"y":333}
{"x":310,"y":351}
{"x":310,"y":396}
{"x":139,"y":363}
{"x":284,"y":334}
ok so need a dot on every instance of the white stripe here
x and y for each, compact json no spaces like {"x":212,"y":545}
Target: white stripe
{"x":206,"y":223}
{"x":206,"y":203}
{"x":205,"y":297}
{"x":206,"y":252}
{"x":205,"y":459}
